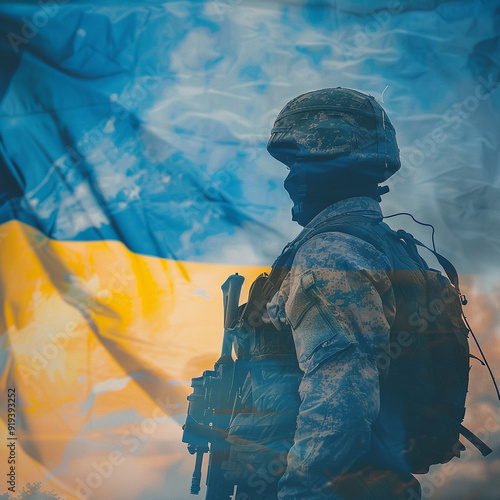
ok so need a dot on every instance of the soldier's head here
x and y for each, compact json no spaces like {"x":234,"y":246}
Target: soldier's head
{"x":337,"y":143}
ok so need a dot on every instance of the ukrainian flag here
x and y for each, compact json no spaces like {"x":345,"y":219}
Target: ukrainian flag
{"x":134,"y":179}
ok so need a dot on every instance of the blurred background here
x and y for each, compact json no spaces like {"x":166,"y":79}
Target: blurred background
{"x":134,"y":178}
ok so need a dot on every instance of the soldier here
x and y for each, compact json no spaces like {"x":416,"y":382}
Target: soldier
{"x":352,"y":355}
{"x":329,"y":407}
{"x":338,"y":302}
{"x":339,"y":145}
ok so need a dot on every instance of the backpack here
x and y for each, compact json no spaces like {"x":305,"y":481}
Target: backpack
{"x":428,"y":353}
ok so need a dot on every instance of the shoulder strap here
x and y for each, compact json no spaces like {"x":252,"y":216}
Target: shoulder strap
{"x":447,"y":266}
{"x":283,"y":263}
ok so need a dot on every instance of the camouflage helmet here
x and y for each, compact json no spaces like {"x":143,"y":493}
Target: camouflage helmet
{"x":336,"y":123}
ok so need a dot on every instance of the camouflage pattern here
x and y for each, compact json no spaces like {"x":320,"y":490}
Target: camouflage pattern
{"x":339,"y":303}
{"x":336,"y":123}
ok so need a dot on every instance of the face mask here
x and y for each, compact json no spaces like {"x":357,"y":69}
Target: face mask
{"x":314,"y":186}
{"x":295,"y":184}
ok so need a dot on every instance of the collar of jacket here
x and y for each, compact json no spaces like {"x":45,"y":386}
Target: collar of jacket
{"x":358,"y":206}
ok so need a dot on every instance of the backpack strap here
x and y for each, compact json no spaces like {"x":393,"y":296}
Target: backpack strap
{"x":284,"y":262}
{"x":448,"y":267}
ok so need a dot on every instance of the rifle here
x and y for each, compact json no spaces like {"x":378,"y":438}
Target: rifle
{"x":211,"y":405}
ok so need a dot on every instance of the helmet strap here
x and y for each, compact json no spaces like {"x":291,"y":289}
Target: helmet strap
{"x":381,"y":190}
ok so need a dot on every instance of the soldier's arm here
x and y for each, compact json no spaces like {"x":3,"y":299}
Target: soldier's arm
{"x":340,"y":307}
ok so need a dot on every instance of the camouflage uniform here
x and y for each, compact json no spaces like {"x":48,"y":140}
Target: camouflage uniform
{"x":340,"y":305}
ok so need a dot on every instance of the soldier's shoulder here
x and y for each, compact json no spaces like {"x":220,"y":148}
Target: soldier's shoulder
{"x":337,"y":249}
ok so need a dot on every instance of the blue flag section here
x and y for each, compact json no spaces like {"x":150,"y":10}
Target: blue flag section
{"x":122,"y":116}
{"x":134,"y":178}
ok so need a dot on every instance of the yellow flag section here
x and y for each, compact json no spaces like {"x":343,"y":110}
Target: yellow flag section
{"x":98,"y":348}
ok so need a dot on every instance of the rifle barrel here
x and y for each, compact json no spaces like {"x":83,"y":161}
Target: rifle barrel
{"x":231,"y":290}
